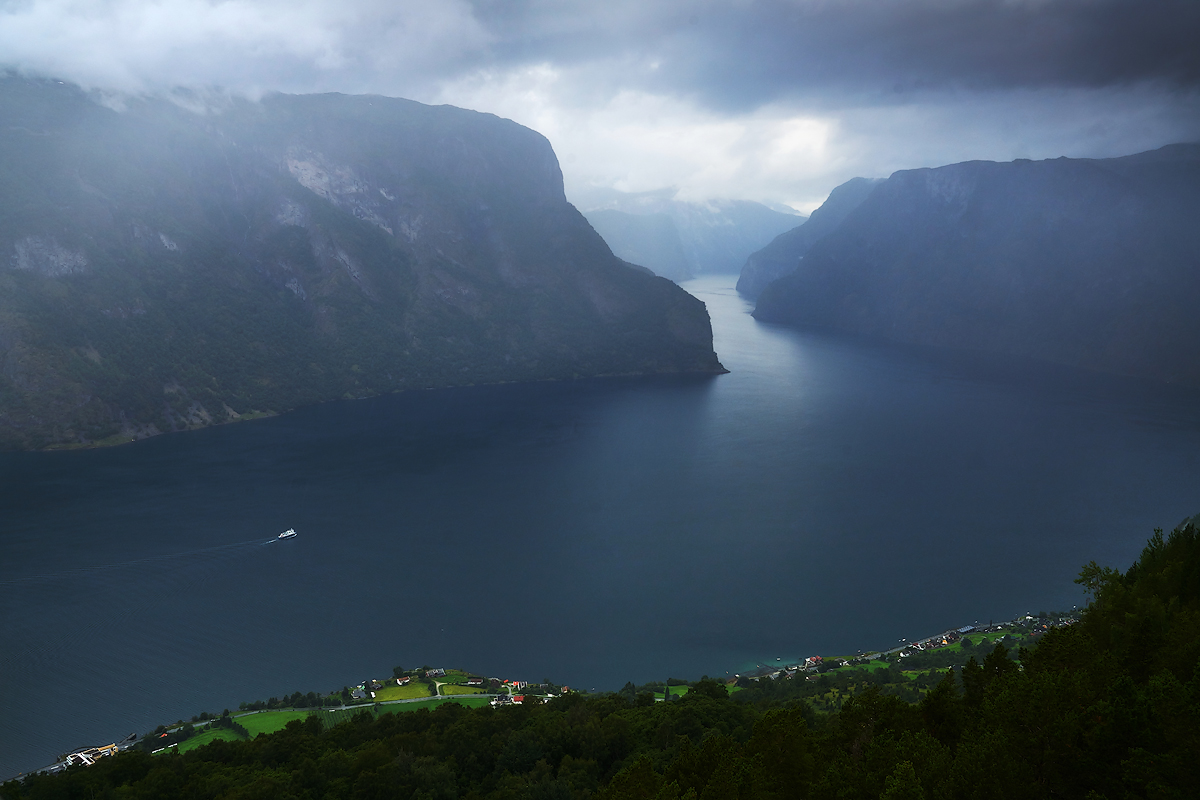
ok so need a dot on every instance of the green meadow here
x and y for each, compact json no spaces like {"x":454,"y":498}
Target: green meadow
{"x":206,"y":736}
{"x":409,"y":692}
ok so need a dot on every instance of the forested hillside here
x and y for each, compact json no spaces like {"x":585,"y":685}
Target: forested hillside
{"x":1106,"y":708}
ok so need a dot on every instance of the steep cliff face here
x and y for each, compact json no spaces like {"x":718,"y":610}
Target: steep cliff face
{"x":1092,"y":263}
{"x":782,"y":256}
{"x":163,"y":268}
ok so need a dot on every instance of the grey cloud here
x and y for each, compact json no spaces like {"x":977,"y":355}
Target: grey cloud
{"x":243,"y":45}
{"x":728,"y":55}
{"x":698,"y":94}
{"x":740,"y":55}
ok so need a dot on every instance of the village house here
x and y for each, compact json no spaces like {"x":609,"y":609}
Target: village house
{"x":89,"y":756}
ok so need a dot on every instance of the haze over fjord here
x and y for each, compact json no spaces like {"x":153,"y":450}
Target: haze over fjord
{"x":776,"y":102}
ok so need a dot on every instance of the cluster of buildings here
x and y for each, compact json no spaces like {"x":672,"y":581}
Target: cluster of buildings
{"x":367,"y":689}
{"x":1027,"y":624}
{"x":512,"y":697}
{"x":90,"y":755}
{"x":810,"y":665}
{"x":1039,"y":625}
{"x":814,"y":664}
{"x":518,"y":699}
{"x":934,"y":642}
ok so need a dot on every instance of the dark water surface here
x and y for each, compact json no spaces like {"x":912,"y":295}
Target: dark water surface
{"x":825,"y":496}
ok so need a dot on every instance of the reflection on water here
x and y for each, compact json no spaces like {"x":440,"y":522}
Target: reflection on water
{"x":826,"y":495}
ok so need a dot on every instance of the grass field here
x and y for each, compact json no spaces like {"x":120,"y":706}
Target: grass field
{"x":268,"y":721}
{"x":395,"y":692}
{"x":454,"y":688}
{"x":332,"y":717}
{"x":206,"y":736}
{"x":455,"y":676}
{"x":993,"y":637}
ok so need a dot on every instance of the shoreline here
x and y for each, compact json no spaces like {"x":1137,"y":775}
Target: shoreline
{"x":122,"y":439}
{"x":789,"y":669}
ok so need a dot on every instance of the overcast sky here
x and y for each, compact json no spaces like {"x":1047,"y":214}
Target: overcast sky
{"x":776,"y":101}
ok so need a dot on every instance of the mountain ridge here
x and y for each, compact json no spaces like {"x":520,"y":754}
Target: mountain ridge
{"x":1084,"y":262}
{"x":168,"y":269}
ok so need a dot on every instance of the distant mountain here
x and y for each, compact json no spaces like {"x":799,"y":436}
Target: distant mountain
{"x":678,"y":239}
{"x":648,"y":239}
{"x":782,"y":256}
{"x":164,"y":268}
{"x":1092,"y":263}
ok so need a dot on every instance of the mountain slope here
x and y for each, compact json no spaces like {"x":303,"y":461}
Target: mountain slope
{"x":1091,"y":263}
{"x":782,"y":256}
{"x":166,"y":268}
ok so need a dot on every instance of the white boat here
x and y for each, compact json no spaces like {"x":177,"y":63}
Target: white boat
{"x":289,"y":533}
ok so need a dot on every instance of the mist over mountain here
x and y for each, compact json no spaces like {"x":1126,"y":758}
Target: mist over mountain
{"x":782,"y":256}
{"x":1093,"y":263}
{"x":651,"y":240}
{"x":679,"y":239}
{"x":167,"y":265}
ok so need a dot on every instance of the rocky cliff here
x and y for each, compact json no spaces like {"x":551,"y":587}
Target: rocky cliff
{"x":174,"y":264}
{"x":1091,"y":263}
{"x":782,"y":256}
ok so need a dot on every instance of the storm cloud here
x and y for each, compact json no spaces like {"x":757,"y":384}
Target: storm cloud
{"x":744,"y":54}
{"x":771,"y":100}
